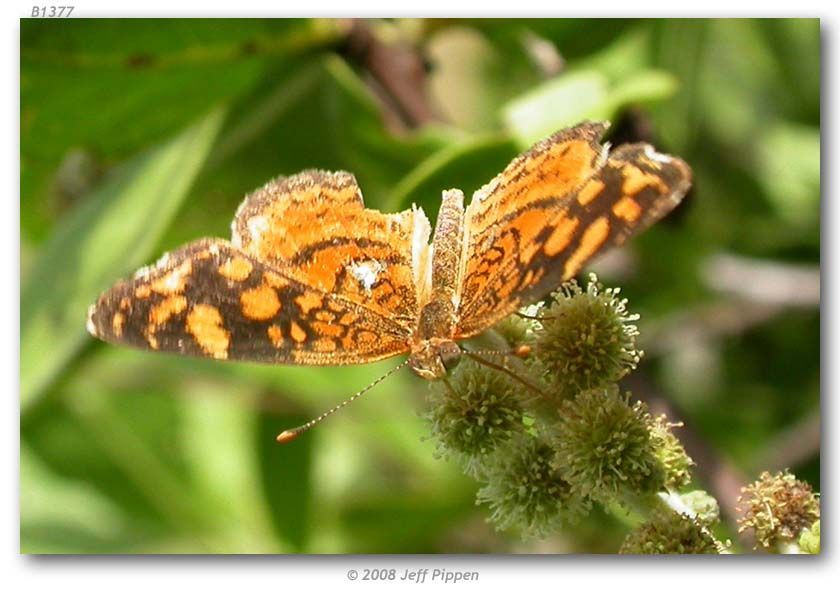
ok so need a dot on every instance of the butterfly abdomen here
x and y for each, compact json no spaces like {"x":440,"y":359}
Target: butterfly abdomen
{"x":439,"y":315}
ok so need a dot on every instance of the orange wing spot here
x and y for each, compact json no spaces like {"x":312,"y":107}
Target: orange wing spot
{"x":326,"y":263}
{"x":325,"y":315}
{"x":561,"y":236}
{"x":274,"y":280}
{"x":325,"y":345}
{"x":117,"y":324}
{"x":204,"y":323}
{"x":165,"y":309}
{"x":367,"y":338}
{"x":142,"y":292}
{"x":308,"y":301}
{"x":327,"y":329}
{"x":386,"y":298}
{"x":627,"y":209}
{"x":590,"y":191}
{"x":260,"y":303}
{"x":593,"y":238}
{"x":529,"y":223}
{"x":635,"y":180}
{"x":348,"y":318}
{"x":236,"y":268}
{"x":125,"y":303}
{"x":275,"y":335}
{"x":298,"y":334}
{"x":175,"y":281}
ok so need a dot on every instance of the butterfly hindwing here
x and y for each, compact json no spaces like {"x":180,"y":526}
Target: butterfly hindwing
{"x":210,"y":299}
{"x":314,"y":226}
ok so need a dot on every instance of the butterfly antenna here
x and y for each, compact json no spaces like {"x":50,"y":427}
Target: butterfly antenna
{"x":291,"y":434}
{"x":521,"y":351}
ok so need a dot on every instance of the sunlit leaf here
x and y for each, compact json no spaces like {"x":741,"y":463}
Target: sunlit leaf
{"x":577,"y":96}
{"x":789,"y":163}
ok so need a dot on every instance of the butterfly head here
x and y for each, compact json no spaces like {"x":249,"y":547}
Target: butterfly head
{"x":434,"y":358}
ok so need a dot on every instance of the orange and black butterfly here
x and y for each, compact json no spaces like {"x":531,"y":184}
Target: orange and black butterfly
{"x":312,"y":277}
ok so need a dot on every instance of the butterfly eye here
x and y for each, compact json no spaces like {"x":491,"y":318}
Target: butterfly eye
{"x":450,"y":355}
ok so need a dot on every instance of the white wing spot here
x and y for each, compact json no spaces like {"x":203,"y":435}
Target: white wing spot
{"x":366,"y":272}
{"x":143,"y":272}
{"x":256,"y":226}
{"x":172,"y":281}
{"x":658,"y":157}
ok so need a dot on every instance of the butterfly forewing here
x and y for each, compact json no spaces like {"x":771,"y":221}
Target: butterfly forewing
{"x":553,"y":209}
{"x":211,"y":299}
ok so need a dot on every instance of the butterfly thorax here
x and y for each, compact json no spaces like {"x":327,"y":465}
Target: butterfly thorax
{"x":433,"y":351}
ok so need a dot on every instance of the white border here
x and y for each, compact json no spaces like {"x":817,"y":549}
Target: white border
{"x":276,"y":577}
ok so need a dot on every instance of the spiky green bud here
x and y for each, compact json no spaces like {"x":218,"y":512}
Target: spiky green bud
{"x":473,"y":412}
{"x":670,"y":532}
{"x":587,"y":338}
{"x":525,"y":491}
{"x":671,"y":454}
{"x":605,"y":448}
{"x":516,"y":330}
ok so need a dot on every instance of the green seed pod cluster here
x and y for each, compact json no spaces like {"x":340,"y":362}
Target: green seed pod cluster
{"x":703,"y":505}
{"x":554,"y":434}
{"x":516,"y":330}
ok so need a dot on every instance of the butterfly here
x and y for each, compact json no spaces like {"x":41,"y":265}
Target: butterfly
{"x":312,"y":277}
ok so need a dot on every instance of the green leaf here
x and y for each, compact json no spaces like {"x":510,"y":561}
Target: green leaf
{"x":286,"y":478}
{"x":789,"y":170}
{"x":560,"y":102}
{"x":52,"y":503}
{"x":112,"y":87}
{"x":115,"y":229}
{"x":466,"y":165}
{"x":575,"y":96}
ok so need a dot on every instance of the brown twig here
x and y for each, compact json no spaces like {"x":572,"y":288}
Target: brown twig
{"x":397,"y":74}
{"x":754,"y":292}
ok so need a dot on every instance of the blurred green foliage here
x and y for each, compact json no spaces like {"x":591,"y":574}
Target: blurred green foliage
{"x":137,"y":135}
